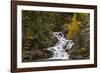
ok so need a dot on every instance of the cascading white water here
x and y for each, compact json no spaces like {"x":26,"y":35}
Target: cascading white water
{"x":58,"y":50}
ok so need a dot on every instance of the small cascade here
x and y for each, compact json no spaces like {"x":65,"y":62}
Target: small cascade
{"x":58,"y":50}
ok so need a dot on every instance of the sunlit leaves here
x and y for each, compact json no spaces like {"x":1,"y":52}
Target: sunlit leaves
{"x":73,"y":27}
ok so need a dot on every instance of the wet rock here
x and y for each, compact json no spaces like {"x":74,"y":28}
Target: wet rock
{"x":41,"y":54}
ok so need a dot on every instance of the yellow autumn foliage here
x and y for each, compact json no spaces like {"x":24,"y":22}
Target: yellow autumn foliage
{"x":73,"y":27}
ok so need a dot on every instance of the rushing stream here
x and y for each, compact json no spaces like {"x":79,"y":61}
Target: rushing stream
{"x":58,"y":50}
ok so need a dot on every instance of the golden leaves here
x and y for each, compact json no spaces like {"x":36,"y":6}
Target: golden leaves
{"x":73,"y":27}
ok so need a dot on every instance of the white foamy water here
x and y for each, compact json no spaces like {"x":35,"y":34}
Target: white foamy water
{"x":58,"y":50}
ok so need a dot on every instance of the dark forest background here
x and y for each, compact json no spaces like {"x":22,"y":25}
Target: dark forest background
{"x":36,"y":26}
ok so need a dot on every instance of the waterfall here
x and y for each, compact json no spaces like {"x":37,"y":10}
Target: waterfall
{"x":58,"y":50}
